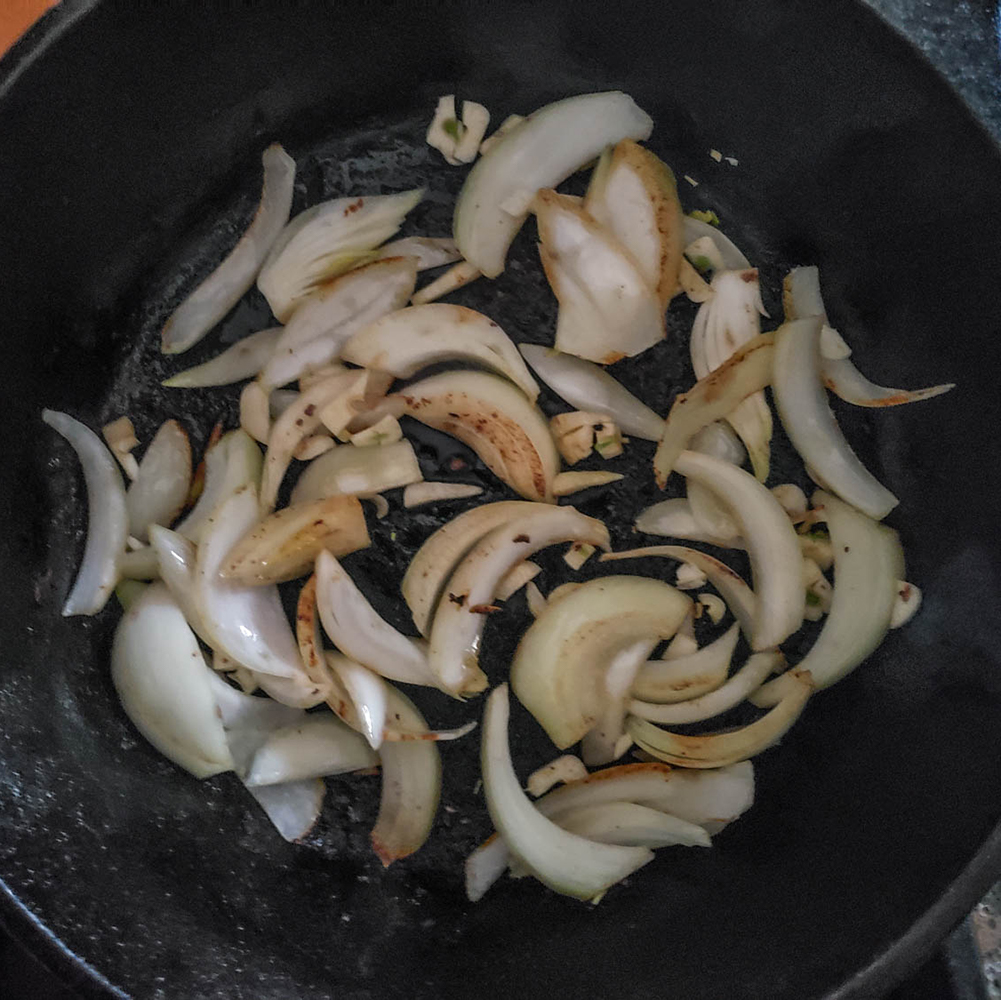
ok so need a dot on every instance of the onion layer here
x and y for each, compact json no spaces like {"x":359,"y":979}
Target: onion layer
{"x":243,"y":360}
{"x":361,"y":471}
{"x":687,"y":677}
{"x":158,"y":492}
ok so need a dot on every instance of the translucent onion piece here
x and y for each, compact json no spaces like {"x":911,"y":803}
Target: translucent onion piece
{"x":573,"y":482}
{"x":495,"y":419}
{"x":633,"y":825}
{"x":316,"y":746}
{"x":128,"y":592}
{"x":246,"y":623}
{"x":222,"y":289}
{"x":285,"y":544}
{"x":569,"y":864}
{"x":868,"y":562}
{"x":411,"y":786}
{"x":466,"y":601}
{"x":733,"y":259}
{"x":607,"y":309}
{"x":435,"y":560}
{"x":158,"y":492}
{"x":360,"y":633}
{"x":243,"y":360}
{"x":589,"y":387}
{"x":163,"y":684}
{"x":456,"y":277}
{"x":712,"y":516}
{"x":739,"y":687}
{"x":330,"y":317}
{"x":811,"y":426}
{"x":177,"y":558}
{"x":515,"y":579}
{"x":325,"y":241}
{"x":845,"y":380}
{"x":772,"y":544}
{"x":368,"y":692}
{"x":674,"y":518}
{"x":362,"y":471}
{"x":107,"y":518}
{"x":559,"y":771}
{"x":713,"y":398}
{"x":428,"y":251}
{"x":310,"y":642}
{"x":293,"y":807}
{"x":633,"y":194}
{"x":687,"y":677}
{"x":559,"y":669}
{"x":410,"y":339}
{"x":418,"y":494}
{"x":540,"y":152}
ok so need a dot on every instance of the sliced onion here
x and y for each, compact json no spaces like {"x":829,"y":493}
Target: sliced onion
{"x":428,"y":251}
{"x":633,"y":825}
{"x":674,"y":518}
{"x":434,"y":562}
{"x":177,"y":558}
{"x":285,"y":544}
{"x":712,"y":398}
{"x":456,"y":277}
{"x":313,"y":447}
{"x":811,"y":426}
{"x":158,"y":492}
{"x":687,"y":677}
{"x":733,"y":259}
{"x":410,"y":339}
{"x":461,"y":613}
{"x":225,"y":286}
{"x":495,"y":419}
{"x":418,"y":494}
{"x":364,"y":471}
{"x":293,"y":807}
{"x":384,"y":431}
{"x":243,"y":360}
{"x":139,"y":564}
{"x":684,"y":642}
{"x":107,"y":517}
{"x":710,"y":514}
{"x":589,"y":387}
{"x":692,"y":283}
{"x":569,"y":864}
{"x":325,"y":241}
{"x":255,"y":412}
{"x":163,"y":684}
{"x":411,"y":786}
{"x":515,"y":579}
{"x":607,"y":309}
{"x":360,"y":633}
{"x":573,"y":482}
{"x":368,"y":693}
{"x":846,"y":381}
{"x":559,"y":668}
{"x":540,"y":152}
{"x":559,"y":771}
{"x":325,"y":322}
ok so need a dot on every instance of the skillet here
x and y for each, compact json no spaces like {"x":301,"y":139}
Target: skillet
{"x":131,"y":138}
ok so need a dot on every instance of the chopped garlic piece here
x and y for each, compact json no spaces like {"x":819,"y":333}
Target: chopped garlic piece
{"x":255,"y":412}
{"x":445,"y":129}
{"x":121,"y":437}
{"x":418,"y":494}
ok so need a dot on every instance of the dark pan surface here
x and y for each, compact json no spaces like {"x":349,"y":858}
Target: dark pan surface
{"x":873,"y":805}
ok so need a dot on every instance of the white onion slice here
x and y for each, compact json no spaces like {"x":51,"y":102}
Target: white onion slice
{"x":714,"y":750}
{"x":158,"y":492}
{"x":733,"y":258}
{"x":293,"y":806}
{"x":633,"y":825}
{"x":322,"y":325}
{"x":712,"y":516}
{"x":163,"y":684}
{"x":368,"y":693}
{"x":418,"y":494}
{"x":177,"y":558}
{"x":107,"y":518}
{"x":466,"y":601}
{"x":120,"y":436}
{"x":674,"y":519}
{"x":845,"y":380}
{"x":428,"y":251}
{"x":456,"y":277}
{"x":318,"y":745}
{"x":410,"y":339}
{"x":496,"y":420}
{"x":569,"y":864}
{"x":255,"y":412}
{"x":566,"y":483}
{"x":324,"y":241}
{"x":811,"y":426}
{"x":666,"y":682}
{"x":540,"y":152}
{"x":559,"y":771}
{"x":139,"y":564}
{"x":243,"y":360}
{"x":360,"y":633}
{"x":225,"y":286}
{"x":361,"y":471}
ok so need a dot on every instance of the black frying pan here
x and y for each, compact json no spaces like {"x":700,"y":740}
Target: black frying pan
{"x":128,"y":161}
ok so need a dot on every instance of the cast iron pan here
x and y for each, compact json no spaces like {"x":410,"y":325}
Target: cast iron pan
{"x":130,"y":160}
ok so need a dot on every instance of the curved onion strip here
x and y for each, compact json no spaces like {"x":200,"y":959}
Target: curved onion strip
{"x":359,"y":632}
{"x":163,"y":684}
{"x":368,"y":695}
{"x":712,"y":516}
{"x":674,"y":519}
{"x":410,"y":339}
{"x":300,"y":420}
{"x":565,"y":483}
{"x":325,"y":241}
{"x":589,"y":387}
{"x":435,"y":560}
{"x":107,"y":520}
{"x":719,"y":749}
{"x":743,"y":683}
{"x":255,"y":412}
{"x":456,"y":277}
{"x":293,"y":807}
{"x":411,"y":786}
{"x":733,"y":258}
{"x":244,"y":359}
{"x":559,"y":771}
{"x":772,"y":545}
{"x":233,"y":462}
{"x":158,"y":492}
{"x":607,"y":311}
{"x":330,"y":317}
{"x":177,"y":557}
{"x":224,"y":287}
{"x":295,"y":692}
{"x":517,"y":577}
{"x":139,"y":564}
{"x":310,"y":642}
{"x":461,"y":613}
{"x":868,"y":561}
{"x":419,"y":494}
{"x":712,"y":398}
{"x":690,"y":676}
{"x":286,"y":543}
{"x":540,"y":152}
{"x":428,"y":251}
{"x":559,"y":669}
{"x":571,"y":865}
{"x":811,"y":426}
{"x":246,"y":623}
{"x":633,"y":825}
{"x":318,"y":745}
{"x":362,"y":471}
{"x":495,"y":419}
